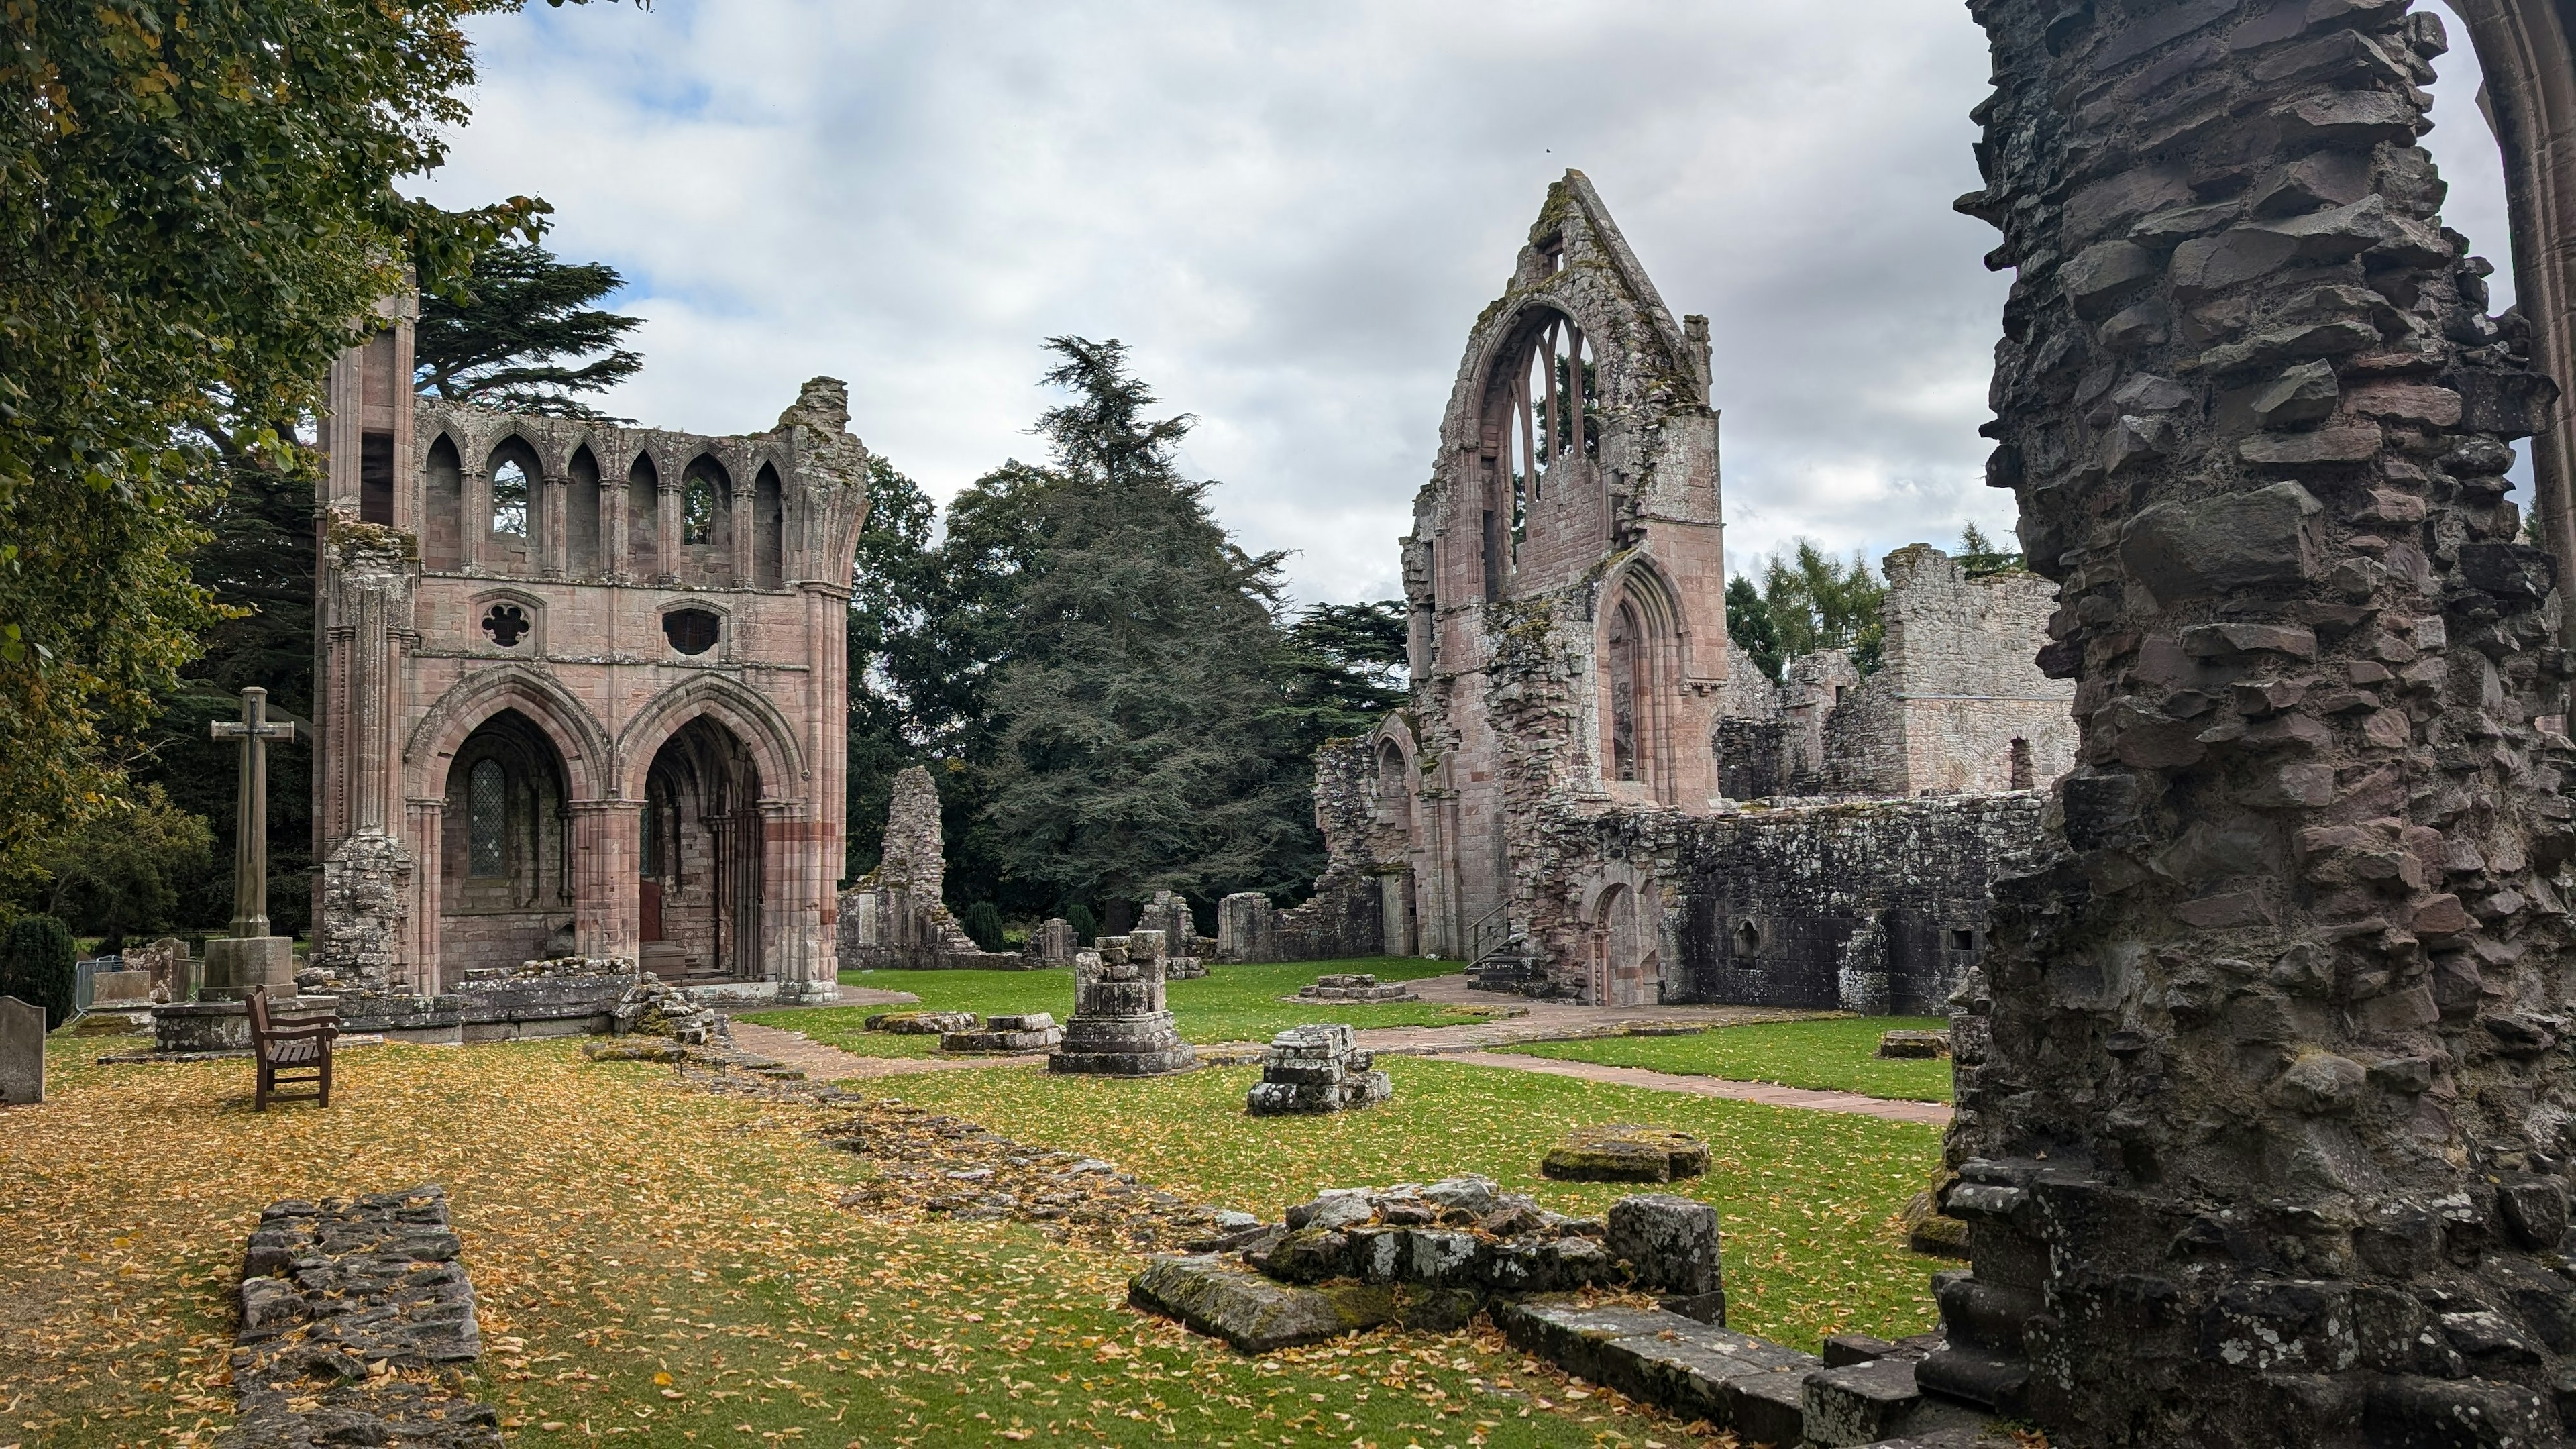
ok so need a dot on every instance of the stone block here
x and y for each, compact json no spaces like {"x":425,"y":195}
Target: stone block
{"x":238,"y":966}
{"x":1899,"y":1045}
{"x":1251,"y":1312}
{"x":2408,"y":1412}
{"x":111,"y":990}
{"x":22,"y":1052}
{"x":1624,"y":1153}
{"x":1859,"y":1403}
{"x":1670,"y":1244}
{"x":922,"y":1023}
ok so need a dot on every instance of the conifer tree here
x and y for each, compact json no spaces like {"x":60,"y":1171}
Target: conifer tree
{"x":512,"y":334}
{"x":1140,"y":743}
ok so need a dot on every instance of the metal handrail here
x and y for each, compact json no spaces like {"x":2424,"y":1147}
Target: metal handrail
{"x":1495,"y":924}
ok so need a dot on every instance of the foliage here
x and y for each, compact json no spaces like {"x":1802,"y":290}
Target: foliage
{"x":258,"y":561}
{"x":1342,"y":670}
{"x":983,"y":922}
{"x":698,"y":1280}
{"x":1086,"y":926}
{"x":1139,"y":745}
{"x":1230,"y":1003}
{"x":1806,"y":1200}
{"x":1834,"y":1055}
{"x":1749,"y":624}
{"x":511,"y":333}
{"x":121,"y":874}
{"x":39,"y":966}
{"x":1816,"y":602}
{"x":1979,"y":557}
{"x":196,"y":211}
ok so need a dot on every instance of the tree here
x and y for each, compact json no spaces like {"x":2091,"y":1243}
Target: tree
{"x":512,"y":333}
{"x":1140,"y":743}
{"x":1342,"y":669}
{"x":1817,"y":603}
{"x":39,"y":965}
{"x":1978,"y":555}
{"x":1750,"y":625}
{"x":197,"y":210}
{"x":122,"y":875}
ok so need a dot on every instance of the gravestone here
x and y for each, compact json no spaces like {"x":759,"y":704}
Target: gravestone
{"x":126,"y":990}
{"x":1120,"y":1026}
{"x":22,"y":1052}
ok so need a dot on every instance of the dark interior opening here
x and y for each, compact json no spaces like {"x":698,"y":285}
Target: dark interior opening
{"x":691,"y":631}
{"x":376,"y":478}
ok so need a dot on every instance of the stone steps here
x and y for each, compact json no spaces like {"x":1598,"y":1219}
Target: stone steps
{"x":1863,"y":1394}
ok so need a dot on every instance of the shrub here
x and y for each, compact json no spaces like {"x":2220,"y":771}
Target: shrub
{"x":1086,"y":926}
{"x":37,"y":966}
{"x":983,"y":921}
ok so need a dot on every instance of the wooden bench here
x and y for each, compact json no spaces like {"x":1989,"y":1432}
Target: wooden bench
{"x":298,"y":1054}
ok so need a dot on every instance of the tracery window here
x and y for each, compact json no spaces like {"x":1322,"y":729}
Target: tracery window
{"x":487,"y":820}
{"x":1548,"y":412}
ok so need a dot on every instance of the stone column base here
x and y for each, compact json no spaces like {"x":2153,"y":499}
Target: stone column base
{"x":239,"y":965}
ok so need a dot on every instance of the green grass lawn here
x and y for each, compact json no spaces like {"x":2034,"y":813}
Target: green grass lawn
{"x":1838,"y":1054}
{"x":658,"y":1266}
{"x":1230,"y":1003}
{"x":1806,"y":1199}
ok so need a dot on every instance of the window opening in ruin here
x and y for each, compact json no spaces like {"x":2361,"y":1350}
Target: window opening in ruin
{"x":691,"y":631}
{"x":648,"y":845}
{"x":769,"y":519}
{"x":443,"y":510}
{"x":704,"y":494}
{"x":1550,"y":415}
{"x":1622,"y":669}
{"x":643,"y":517}
{"x":487,"y":821}
{"x":584,"y":511}
{"x":1963,"y":940}
{"x":1748,"y":937}
{"x":376,"y":478}
{"x":2018,"y":768}
{"x":507,"y":624}
{"x":510,"y":499}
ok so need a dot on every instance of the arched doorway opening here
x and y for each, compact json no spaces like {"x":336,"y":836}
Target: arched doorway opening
{"x":699,"y":858}
{"x":1627,"y":966}
{"x":505,"y":850}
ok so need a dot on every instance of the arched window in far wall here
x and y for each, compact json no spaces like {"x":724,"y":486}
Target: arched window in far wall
{"x":487,"y":821}
{"x":511,"y":496}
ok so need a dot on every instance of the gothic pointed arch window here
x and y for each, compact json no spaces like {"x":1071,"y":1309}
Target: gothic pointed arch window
{"x":1542,"y":427}
{"x":1637,"y":667}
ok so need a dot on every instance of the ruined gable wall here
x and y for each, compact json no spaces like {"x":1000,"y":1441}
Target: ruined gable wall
{"x":1959,"y":684}
{"x":2262,"y":1098}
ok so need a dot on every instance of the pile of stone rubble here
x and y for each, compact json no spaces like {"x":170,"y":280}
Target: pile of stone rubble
{"x":922,"y":1023}
{"x":350,"y":1309}
{"x":1446,"y":1250}
{"x":1317,"y":1069}
{"x":1034,"y":1031}
{"x":1361,"y":986}
{"x":651,"y":1007}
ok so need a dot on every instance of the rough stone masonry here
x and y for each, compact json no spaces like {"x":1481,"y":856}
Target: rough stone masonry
{"x":2264,"y":1094}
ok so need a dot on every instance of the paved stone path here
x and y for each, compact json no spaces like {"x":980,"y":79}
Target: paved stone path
{"x":827,"y":1063}
{"x":1538,"y":1021}
{"x":1935,"y":1114}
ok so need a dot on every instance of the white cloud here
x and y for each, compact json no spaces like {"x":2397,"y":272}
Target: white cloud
{"x":1292,"y":214}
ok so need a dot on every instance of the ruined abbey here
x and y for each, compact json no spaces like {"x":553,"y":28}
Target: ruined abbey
{"x":1592,"y":793}
{"x":581,"y":697}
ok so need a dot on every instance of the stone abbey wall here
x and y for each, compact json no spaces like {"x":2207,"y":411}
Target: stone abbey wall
{"x":569,"y":692}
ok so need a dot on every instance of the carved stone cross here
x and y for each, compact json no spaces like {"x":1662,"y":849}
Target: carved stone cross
{"x":250,"y":830}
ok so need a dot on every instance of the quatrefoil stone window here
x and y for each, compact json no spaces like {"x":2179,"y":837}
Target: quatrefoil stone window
{"x":507,"y":624}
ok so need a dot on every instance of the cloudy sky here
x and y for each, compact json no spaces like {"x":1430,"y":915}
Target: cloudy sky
{"x":1292,"y":214}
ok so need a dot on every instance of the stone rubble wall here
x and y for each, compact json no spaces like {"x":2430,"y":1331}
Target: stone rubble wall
{"x":893,"y":919}
{"x":2263,"y":1101}
{"x":1909,"y":880}
{"x":352,"y":1312}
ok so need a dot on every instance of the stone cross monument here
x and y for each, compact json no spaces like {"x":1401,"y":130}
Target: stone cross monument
{"x":252,"y":960}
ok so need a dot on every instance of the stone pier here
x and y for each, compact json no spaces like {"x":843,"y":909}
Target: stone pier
{"x":1120,"y":1026}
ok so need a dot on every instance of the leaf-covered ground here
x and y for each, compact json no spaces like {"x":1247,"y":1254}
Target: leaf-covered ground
{"x":1230,"y":1003}
{"x":669,"y":1267}
{"x":1806,"y":1200}
{"x":1837,"y":1054}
